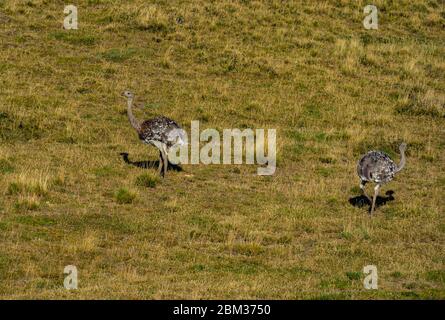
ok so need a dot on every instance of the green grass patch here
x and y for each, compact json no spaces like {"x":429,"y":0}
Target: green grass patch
{"x":147,"y":180}
{"x":105,"y":171}
{"x":354,"y":275}
{"x":15,"y":188}
{"x":247,"y":249}
{"x":325,"y":172}
{"x":30,"y":203}
{"x":75,"y":38}
{"x":118,"y":55}
{"x":41,"y":221}
{"x":396,"y":274}
{"x":124,"y":196}
{"x":6,"y":166}
{"x":437,"y":276}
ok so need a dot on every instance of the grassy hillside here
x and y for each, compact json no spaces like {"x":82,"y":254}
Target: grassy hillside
{"x":331,"y":88}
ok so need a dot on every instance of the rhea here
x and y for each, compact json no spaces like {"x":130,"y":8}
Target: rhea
{"x":161,"y":132}
{"x":377,"y":167}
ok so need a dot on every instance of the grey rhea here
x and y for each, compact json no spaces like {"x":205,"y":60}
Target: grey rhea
{"x":377,"y":167}
{"x":161,"y":132}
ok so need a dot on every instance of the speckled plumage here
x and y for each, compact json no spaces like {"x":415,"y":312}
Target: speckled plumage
{"x":160,"y":129}
{"x":376,"y":166}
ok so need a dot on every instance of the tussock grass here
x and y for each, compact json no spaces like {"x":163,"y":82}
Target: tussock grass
{"x":125,"y":196}
{"x":309,"y":69}
{"x":152,"y":18}
{"x":27,"y":202}
{"x":147,"y":180}
{"x":36,"y":184}
{"x":422,"y":101}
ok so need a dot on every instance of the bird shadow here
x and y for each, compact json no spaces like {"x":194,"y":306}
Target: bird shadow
{"x":362,"y":200}
{"x":149,"y":164}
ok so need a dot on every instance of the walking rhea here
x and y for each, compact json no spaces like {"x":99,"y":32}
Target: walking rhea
{"x":161,"y":132}
{"x":377,"y":167}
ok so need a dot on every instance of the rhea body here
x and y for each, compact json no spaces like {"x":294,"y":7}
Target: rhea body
{"x":161,"y":132}
{"x":378,"y":167}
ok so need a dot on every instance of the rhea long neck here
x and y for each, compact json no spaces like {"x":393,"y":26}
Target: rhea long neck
{"x":402,"y":160}
{"x":134,"y":122}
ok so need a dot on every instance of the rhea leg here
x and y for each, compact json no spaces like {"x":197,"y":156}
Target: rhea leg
{"x":362,"y":187}
{"x":376,"y":192}
{"x":161,"y":162}
{"x":164,"y":156}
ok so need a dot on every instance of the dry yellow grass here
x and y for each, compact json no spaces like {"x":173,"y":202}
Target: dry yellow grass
{"x":332,"y":89}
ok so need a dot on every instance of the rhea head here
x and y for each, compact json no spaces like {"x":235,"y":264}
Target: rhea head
{"x":402,"y":147}
{"x":128,"y":94}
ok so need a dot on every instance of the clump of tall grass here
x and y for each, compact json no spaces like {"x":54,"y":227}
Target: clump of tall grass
{"x":147,"y":180}
{"x":138,"y":15}
{"x":422,"y":102}
{"x":28,"y":188}
{"x":29,"y":183}
{"x":125,"y":196}
{"x":27,"y":202}
{"x":151,"y":18}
